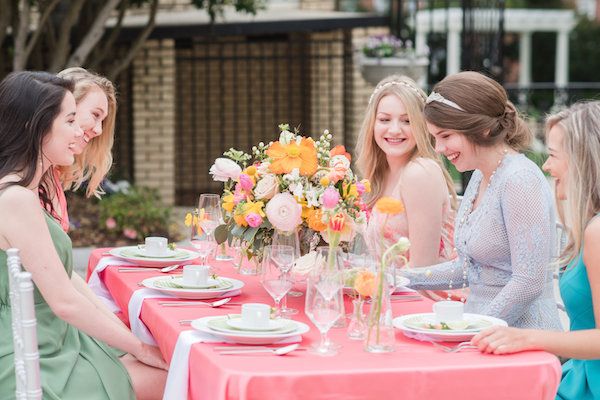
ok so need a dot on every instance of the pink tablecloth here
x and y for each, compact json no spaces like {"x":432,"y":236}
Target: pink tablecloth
{"x":416,"y":370}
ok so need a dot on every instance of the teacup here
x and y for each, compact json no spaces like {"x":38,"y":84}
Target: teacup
{"x":256,"y":315}
{"x":448,"y":311}
{"x":195,"y":275}
{"x":156,"y":246}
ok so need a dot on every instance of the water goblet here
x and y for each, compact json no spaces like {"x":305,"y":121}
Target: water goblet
{"x":211,"y":201}
{"x":274,"y":279}
{"x":289,"y":238}
{"x":323,"y":307}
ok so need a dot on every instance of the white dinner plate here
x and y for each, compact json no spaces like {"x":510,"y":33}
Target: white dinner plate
{"x":274,"y":325}
{"x":410,"y":326}
{"x":246,"y":337}
{"x":130,"y":253}
{"x":188,"y":293}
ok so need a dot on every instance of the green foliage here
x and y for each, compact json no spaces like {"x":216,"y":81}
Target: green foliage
{"x":139,"y":210}
{"x":585,"y":52}
{"x":215,"y":7}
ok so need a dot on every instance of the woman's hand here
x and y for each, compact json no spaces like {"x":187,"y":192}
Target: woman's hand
{"x":504,"y":340}
{"x":150,"y":355}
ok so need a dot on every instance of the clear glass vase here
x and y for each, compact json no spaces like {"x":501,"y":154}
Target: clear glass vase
{"x":357,"y":327}
{"x":380,"y":336}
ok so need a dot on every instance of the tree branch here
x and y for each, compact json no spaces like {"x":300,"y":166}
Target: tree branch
{"x":93,"y":36}
{"x":19,"y":59}
{"x":137,"y":45}
{"x":63,"y":45}
{"x":5,"y":17}
{"x":114,"y":34}
{"x":43,"y":19}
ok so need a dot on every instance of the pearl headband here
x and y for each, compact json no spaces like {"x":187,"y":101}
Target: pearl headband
{"x":435,"y":96}
{"x":379,"y":88}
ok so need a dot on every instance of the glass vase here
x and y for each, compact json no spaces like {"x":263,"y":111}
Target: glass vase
{"x":380,"y":336}
{"x":357,"y":327}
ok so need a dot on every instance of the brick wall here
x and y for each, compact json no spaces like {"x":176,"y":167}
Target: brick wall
{"x":153,"y":89}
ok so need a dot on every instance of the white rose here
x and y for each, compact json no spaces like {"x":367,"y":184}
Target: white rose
{"x":224,"y":169}
{"x":267,"y":187}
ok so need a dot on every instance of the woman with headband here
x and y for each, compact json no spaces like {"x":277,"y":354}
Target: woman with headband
{"x":505,"y":226}
{"x":395,"y":152}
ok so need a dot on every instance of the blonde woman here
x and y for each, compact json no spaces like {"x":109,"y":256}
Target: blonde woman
{"x":396,"y":154}
{"x":96,"y":113}
{"x":505,"y":224}
{"x":573,"y":138}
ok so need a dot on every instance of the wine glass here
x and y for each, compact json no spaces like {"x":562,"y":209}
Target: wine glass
{"x":324,"y":299}
{"x":289,"y":238}
{"x":273,"y":275}
{"x":285,"y":256}
{"x":213,"y":201}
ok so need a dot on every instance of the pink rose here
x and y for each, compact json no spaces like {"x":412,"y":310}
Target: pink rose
{"x":360,"y":188}
{"x":254,"y":220}
{"x":224,"y":169}
{"x":339,"y":167}
{"x":246,"y":182}
{"x":130,"y":233}
{"x":284,"y":212}
{"x":238,"y":194}
{"x":110,"y":223}
{"x":267,"y":187}
{"x":330,"y":198}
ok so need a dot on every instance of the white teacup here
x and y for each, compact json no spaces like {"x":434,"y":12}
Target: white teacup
{"x":256,"y":315}
{"x":195,"y":275}
{"x":448,"y":311}
{"x":156,"y":246}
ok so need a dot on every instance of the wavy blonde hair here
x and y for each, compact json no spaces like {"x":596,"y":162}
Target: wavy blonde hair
{"x":371,"y":160}
{"x":95,"y":161}
{"x":581,"y":143}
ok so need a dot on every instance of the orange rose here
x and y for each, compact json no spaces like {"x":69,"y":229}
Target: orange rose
{"x":389,"y":205}
{"x":364,"y":283}
{"x":315,"y":221}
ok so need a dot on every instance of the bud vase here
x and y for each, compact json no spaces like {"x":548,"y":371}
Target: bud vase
{"x":357,"y":327}
{"x":380,"y":337}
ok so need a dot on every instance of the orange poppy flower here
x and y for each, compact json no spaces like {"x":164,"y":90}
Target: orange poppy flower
{"x":284,"y":158}
{"x":340,"y":150}
{"x":389,"y":205}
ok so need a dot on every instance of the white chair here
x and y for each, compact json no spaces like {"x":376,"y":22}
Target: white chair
{"x":27,"y":357}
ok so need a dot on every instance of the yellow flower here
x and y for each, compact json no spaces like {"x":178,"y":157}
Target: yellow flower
{"x":350,"y":191}
{"x":251,"y":170}
{"x":389,"y":205}
{"x":364,"y":283}
{"x":284,"y":158}
{"x":324,"y":181}
{"x":228,"y":204}
{"x":255,"y":207}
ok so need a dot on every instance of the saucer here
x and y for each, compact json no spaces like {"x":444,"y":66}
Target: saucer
{"x":210,"y":283}
{"x":131,"y":254}
{"x":274,"y":324}
{"x":221,"y":324}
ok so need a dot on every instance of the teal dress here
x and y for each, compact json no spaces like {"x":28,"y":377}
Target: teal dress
{"x":74,"y":366}
{"x":580,"y":378}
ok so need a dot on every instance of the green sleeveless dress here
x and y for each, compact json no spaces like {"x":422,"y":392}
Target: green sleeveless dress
{"x":580,"y":378}
{"x":73,"y":365}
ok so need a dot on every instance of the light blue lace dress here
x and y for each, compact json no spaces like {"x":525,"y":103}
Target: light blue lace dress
{"x":505,"y":247}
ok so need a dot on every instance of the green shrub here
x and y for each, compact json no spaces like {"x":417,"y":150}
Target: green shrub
{"x":136,"y":214}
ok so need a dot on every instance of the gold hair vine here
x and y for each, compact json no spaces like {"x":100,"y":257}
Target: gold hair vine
{"x":435,"y":96}
{"x":399,"y":83}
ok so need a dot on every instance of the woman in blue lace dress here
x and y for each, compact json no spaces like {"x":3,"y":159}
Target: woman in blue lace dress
{"x":574,"y":162}
{"x":504,"y":227}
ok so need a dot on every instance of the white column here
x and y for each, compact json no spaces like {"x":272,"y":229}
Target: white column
{"x":524,"y":59}
{"x":453,"y":52}
{"x":561,"y":73}
{"x":420,"y":40}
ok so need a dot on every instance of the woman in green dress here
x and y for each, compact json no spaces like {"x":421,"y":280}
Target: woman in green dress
{"x":38,"y":131}
{"x":574,"y":162}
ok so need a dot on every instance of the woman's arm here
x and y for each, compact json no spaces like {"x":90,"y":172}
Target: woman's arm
{"x":424,"y":192}
{"x":584,"y":344}
{"x":24,"y":228}
{"x":85,"y":290}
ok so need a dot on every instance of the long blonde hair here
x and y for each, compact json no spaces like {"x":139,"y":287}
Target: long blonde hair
{"x":95,"y":161}
{"x":581,"y":143}
{"x":371,"y":160}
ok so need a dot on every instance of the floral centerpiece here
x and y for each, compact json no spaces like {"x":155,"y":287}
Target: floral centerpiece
{"x":294,"y":183}
{"x":385,"y":55}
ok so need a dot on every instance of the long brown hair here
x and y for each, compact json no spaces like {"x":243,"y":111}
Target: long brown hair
{"x":487,"y":116}
{"x":371,"y":160}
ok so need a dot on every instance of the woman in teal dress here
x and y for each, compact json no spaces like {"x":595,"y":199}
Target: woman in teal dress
{"x":574,"y":162}
{"x":76,"y":334}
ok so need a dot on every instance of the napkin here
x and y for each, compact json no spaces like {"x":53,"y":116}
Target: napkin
{"x":179,"y":369}
{"x":98,"y":287}
{"x":134,"y":308}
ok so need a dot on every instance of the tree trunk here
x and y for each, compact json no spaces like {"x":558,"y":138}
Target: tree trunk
{"x":101,"y":54}
{"x":20,"y":58}
{"x":5,"y":17}
{"x":63,"y":46}
{"x":93,"y":36}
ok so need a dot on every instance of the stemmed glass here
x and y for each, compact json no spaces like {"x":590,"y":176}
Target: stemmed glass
{"x":213,"y":201}
{"x":288,"y":239}
{"x":324,"y":299}
{"x":277,"y":260}
{"x":202,"y":235}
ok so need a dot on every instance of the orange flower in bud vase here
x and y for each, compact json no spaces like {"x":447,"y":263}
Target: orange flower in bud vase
{"x":297,"y":154}
{"x":364,"y":283}
{"x":389,"y":205}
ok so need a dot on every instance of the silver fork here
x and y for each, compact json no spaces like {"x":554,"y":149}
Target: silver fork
{"x":454,"y":349}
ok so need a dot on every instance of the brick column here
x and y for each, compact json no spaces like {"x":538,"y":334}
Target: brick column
{"x":154,"y":117}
